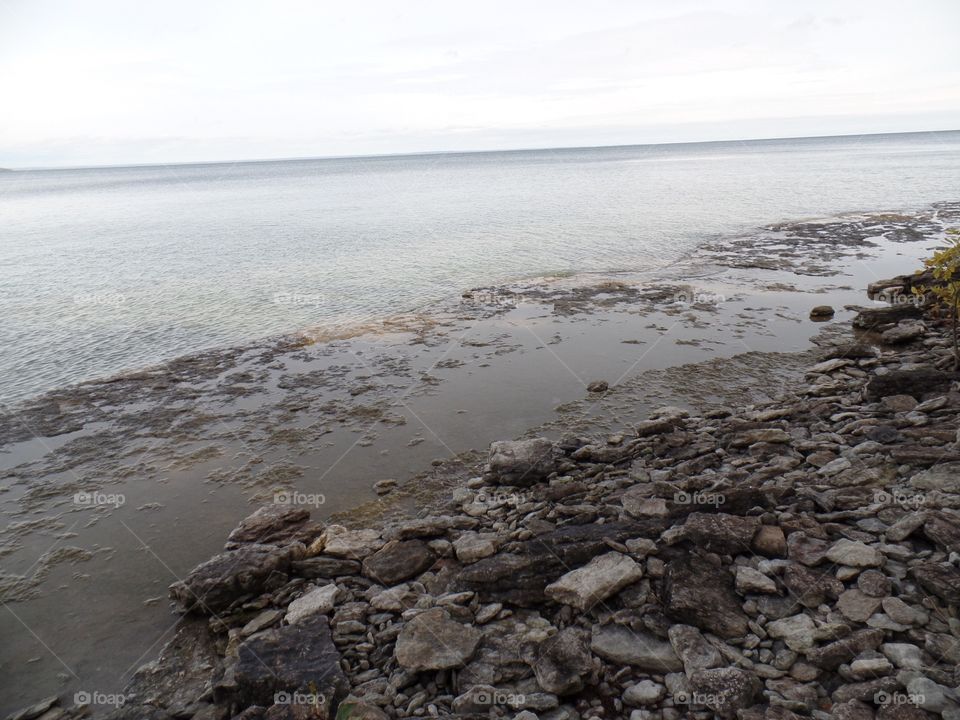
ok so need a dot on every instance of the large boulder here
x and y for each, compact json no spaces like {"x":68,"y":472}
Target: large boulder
{"x":215,"y":585}
{"x":522,"y":462}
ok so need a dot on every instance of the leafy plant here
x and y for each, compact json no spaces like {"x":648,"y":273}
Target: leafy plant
{"x":944,"y":265}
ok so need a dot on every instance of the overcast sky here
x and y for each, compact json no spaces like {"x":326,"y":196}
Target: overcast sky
{"x":93,"y":82}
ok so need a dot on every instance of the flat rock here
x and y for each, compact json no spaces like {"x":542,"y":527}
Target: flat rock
{"x":832,"y":655}
{"x":719,"y":532}
{"x":945,"y":478}
{"x":697,"y":593}
{"x":275,"y":524}
{"x":693,"y":649}
{"x":916,"y":382}
{"x":854,"y":554}
{"x":857,"y":606}
{"x":753,"y":581}
{"x":726,"y":690}
{"x":563,"y":661}
{"x":398,"y":560}
{"x":338,"y":541}
{"x":602,"y":577}
{"x":319,"y":600}
{"x":940,"y":580}
{"x":433,"y":640}
{"x":620,"y":644}
{"x":797,"y":631}
{"x":805,"y":549}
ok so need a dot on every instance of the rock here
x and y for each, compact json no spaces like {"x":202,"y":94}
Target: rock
{"x":693,"y":649}
{"x":261,"y":622}
{"x":272,"y":525}
{"x":598,"y":386}
{"x":857,"y":606}
{"x":811,"y":588}
{"x":945,"y":478}
{"x":916,"y":382}
{"x":382,"y":487}
{"x":645,"y":692}
{"x":433,"y":640}
{"x":398,"y":560}
{"x":35,"y":710}
{"x":940,"y":580}
{"x":932,"y":696}
{"x":358,"y":710}
{"x":905,"y":526}
{"x":726,"y":690}
{"x":807,"y":550}
{"x":902,"y":613}
{"x":522,"y":462}
{"x":797,"y":631}
{"x":563,"y":661}
{"x":697,"y":593}
{"x":472,"y":546}
{"x":903,"y":655}
{"x":943,"y":529}
{"x":871,"y":318}
{"x":290,"y":659}
{"x":324,"y":567}
{"x":831,"y":656}
{"x":519,"y":577}
{"x":854,"y":554}
{"x":753,"y":581}
{"x":851,"y":710}
{"x":319,"y":600}
{"x":602,"y":577}
{"x":770,"y":541}
{"x":766,"y":435}
{"x":821,"y":312}
{"x":898,"y":403}
{"x":719,"y":532}
{"x":354,"y":544}
{"x":874,"y":583}
{"x":620,"y":644}
{"x":903,"y":333}
{"x":213,"y":586}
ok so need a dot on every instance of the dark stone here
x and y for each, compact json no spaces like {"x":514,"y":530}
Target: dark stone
{"x":398,"y":561}
{"x":809,"y":587}
{"x":324,"y":567}
{"x":276,"y":524}
{"x":832,"y":656}
{"x":940,"y":580}
{"x":874,"y":583}
{"x":884,"y":434}
{"x":520,"y":572}
{"x":918,"y":382}
{"x":865,"y":691}
{"x":923,"y":455}
{"x":727,"y":689}
{"x":720,"y":532}
{"x":697,"y":593}
{"x":290,"y":659}
{"x":870,"y":318}
{"x":213,"y":586}
{"x":561,"y":662}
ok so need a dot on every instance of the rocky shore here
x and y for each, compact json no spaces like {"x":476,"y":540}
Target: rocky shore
{"x":795,"y":559}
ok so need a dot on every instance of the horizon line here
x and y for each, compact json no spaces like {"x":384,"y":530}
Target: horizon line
{"x":461,"y":152}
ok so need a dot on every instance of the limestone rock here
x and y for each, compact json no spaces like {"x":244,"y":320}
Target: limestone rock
{"x":433,"y":640}
{"x":602,"y":577}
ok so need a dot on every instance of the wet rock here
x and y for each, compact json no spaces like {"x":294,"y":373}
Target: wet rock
{"x":870,"y":318}
{"x":563,"y":661}
{"x":213,"y":586}
{"x":433,"y":640}
{"x":276,"y":524}
{"x":398,"y":560}
{"x":598,"y":386}
{"x":697,"y":593}
{"x":290,"y":659}
{"x":602,"y":577}
{"x":522,"y":462}
{"x":726,"y":690}
{"x":821,"y":312}
{"x":620,"y":644}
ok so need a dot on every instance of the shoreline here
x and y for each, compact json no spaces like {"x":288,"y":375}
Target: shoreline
{"x":228,"y":429}
{"x":794,"y":557}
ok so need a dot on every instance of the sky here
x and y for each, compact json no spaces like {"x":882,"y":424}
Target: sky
{"x":101,"y":82}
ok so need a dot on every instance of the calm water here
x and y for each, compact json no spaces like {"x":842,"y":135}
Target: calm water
{"x":104,"y":270}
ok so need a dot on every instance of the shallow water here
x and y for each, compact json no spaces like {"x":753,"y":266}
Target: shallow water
{"x":112,"y":269}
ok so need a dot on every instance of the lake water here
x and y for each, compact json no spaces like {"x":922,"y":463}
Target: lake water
{"x":111,"y":269}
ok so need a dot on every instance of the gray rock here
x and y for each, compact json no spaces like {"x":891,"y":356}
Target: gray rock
{"x":522,"y":462}
{"x":854,"y":554}
{"x":903,"y":655}
{"x":945,"y":478}
{"x":857,"y":606}
{"x":693,"y":649}
{"x":645,"y":692}
{"x":807,"y":550}
{"x":697,"y":593}
{"x":726,"y":690}
{"x":753,"y":581}
{"x":398,"y":560}
{"x":319,"y":600}
{"x":940,"y":580}
{"x":602,"y":577}
{"x":831,"y":656}
{"x":620,"y":644}
{"x":874,"y":583}
{"x":433,"y":640}
{"x":563,"y":661}
{"x":719,"y":532}
{"x":797,"y":631}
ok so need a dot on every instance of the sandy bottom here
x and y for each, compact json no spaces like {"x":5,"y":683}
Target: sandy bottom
{"x":112,"y":490}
